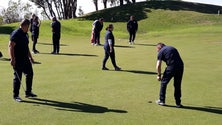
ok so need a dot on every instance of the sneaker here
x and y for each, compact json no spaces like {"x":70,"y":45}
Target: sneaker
{"x":117,"y":68}
{"x":17,"y":99}
{"x":104,"y":68}
{"x":160,"y":103}
{"x":179,"y":106}
{"x":30,"y":95}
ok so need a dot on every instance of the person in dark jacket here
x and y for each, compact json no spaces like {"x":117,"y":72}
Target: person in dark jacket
{"x":21,"y":60}
{"x":98,"y":26}
{"x":132,"y":27}
{"x":56,"y":32}
{"x":174,"y":68}
{"x":35,"y":33}
{"x":109,"y":48}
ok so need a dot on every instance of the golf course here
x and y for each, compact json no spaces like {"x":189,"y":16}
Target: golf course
{"x":73,"y":90}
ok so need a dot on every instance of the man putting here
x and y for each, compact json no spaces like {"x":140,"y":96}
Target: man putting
{"x":174,"y":68}
{"x":21,"y":59}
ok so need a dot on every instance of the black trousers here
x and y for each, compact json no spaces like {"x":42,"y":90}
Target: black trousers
{"x":132,"y":35}
{"x":167,"y":76}
{"x":26,"y":68}
{"x":56,"y":42}
{"x":111,"y":55}
{"x":96,"y":37}
{"x":34,"y":40}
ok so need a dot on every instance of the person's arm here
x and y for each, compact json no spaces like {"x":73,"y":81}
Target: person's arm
{"x":11,"y":52}
{"x":30,"y":57}
{"x":39,"y":22}
{"x":110,"y":45}
{"x":158,"y":68}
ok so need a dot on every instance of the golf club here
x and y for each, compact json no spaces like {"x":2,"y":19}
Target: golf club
{"x":19,"y":80}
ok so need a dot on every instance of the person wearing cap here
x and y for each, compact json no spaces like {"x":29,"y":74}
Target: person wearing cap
{"x":109,"y":48}
{"x":98,"y":26}
{"x":132,"y":27}
{"x":56,"y":33}
{"x":21,"y":60}
{"x":175,"y":68}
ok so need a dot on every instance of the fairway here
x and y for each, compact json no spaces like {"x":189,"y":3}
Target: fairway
{"x":73,"y":90}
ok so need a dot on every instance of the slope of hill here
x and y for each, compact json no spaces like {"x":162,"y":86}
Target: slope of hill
{"x":140,"y":9}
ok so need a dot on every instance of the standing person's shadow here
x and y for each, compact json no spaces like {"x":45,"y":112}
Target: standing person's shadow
{"x":210,"y":109}
{"x":74,"y":106}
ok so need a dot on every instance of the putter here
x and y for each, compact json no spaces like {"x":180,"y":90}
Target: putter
{"x":19,"y":80}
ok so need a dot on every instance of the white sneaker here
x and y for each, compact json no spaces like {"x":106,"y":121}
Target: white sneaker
{"x":160,"y":103}
{"x":17,"y":99}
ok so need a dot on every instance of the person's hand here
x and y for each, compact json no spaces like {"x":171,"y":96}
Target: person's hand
{"x":159,"y":77}
{"x":31,"y":60}
{"x":12,"y":62}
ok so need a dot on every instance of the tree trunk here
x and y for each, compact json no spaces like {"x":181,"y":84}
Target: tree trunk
{"x":121,"y":2}
{"x":105,"y":4}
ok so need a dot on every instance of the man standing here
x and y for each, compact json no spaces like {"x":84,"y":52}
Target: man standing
{"x":132,"y":27}
{"x":174,"y":68}
{"x":98,"y":26}
{"x":21,"y":60}
{"x":56,"y":32}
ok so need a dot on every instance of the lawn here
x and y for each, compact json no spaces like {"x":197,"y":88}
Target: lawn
{"x":73,"y":90}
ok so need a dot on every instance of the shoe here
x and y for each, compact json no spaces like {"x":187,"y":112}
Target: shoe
{"x":130,"y":43}
{"x":117,"y":68}
{"x":17,"y":99}
{"x":53,"y":52}
{"x":104,"y":68}
{"x":160,"y":103}
{"x":36,"y":51}
{"x":179,"y":106}
{"x":30,"y":95}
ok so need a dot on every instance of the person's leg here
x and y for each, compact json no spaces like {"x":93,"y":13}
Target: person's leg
{"x":17,"y":81}
{"x":54,"y":43}
{"x":34,"y":44}
{"x":130,"y":36}
{"x":98,"y":41}
{"x":106,"y":57}
{"x":28,"y":71}
{"x":133,"y":36}
{"x":58,"y":44}
{"x":177,"y":86}
{"x":113,"y":59}
{"x":96,"y":35}
{"x":164,"y":82}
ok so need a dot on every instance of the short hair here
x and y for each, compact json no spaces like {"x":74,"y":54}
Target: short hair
{"x":101,"y":19}
{"x":54,"y":18}
{"x":109,"y":26}
{"x":25,"y":22}
{"x":160,"y":44}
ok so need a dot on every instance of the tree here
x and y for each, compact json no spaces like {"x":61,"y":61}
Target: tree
{"x":16,"y":11}
{"x":63,"y":9}
{"x":96,"y":4}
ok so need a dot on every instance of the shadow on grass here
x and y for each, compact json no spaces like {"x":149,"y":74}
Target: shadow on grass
{"x":121,"y":46}
{"x":216,"y":110}
{"x":5,"y":59}
{"x":75,"y":106}
{"x":50,"y":44}
{"x":145,"y":44}
{"x":71,"y":54}
{"x":140,"y":72}
{"x":6,"y":29}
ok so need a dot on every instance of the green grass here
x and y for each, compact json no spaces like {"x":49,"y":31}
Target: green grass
{"x":78,"y":92}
